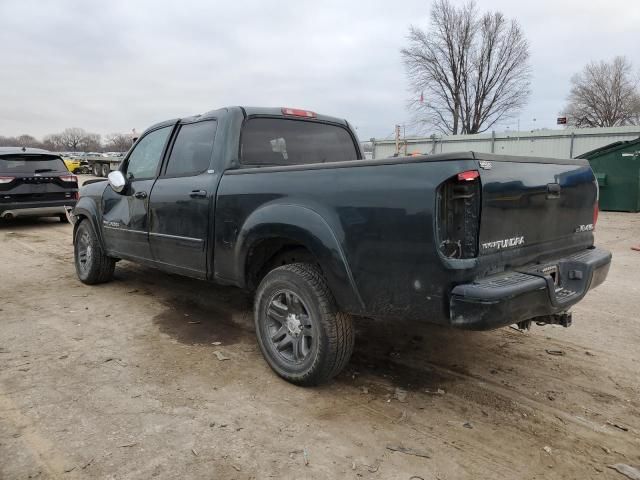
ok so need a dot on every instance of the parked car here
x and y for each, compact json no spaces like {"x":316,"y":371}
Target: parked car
{"x":76,"y":164}
{"x":280,"y":202}
{"x":35,"y":182}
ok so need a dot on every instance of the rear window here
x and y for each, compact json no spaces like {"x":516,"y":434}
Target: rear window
{"x":279,"y":141}
{"x":31,"y":164}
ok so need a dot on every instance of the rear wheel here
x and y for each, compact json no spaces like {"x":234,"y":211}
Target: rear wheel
{"x":301,"y":334}
{"x":92,"y":264}
{"x":96,"y":170}
{"x":105,"y":170}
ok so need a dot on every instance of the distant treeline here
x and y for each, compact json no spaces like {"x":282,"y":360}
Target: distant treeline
{"x":72,"y":140}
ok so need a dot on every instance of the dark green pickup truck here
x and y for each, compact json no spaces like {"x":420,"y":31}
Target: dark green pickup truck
{"x":281,"y":202}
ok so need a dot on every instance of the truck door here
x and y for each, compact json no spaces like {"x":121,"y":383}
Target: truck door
{"x":125,"y":215}
{"x":182,"y":199}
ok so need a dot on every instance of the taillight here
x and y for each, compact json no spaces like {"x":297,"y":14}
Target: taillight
{"x":458,"y":214}
{"x":7,"y":179}
{"x":297,"y":112}
{"x":468,"y":176}
{"x":68,"y":178}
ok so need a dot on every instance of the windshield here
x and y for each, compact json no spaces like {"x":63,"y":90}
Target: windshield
{"x":31,"y":164}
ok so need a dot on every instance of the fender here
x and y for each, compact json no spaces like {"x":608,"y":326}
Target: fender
{"x":307,"y":227}
{"x":86,"y":207}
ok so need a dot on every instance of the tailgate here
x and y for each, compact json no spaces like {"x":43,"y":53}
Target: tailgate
{"x":40,"y":177}
{"x":528,"y":202}
{"x":26,"y":188}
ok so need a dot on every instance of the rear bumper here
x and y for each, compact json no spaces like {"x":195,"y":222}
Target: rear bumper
{"x":35,"y":209}
{"x":528,"y":292}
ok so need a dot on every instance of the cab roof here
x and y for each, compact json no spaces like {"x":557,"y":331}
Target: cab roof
{"x":277,"y":111}
{"x":247,"y":111}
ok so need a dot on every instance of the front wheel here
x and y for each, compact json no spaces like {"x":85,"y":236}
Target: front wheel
{"x":92,"y":264}
{"x":301,"y":334}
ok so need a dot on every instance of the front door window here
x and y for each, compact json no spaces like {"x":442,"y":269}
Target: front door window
{"x":145,"y":158}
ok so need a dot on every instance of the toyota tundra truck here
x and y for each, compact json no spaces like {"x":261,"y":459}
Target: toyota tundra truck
{"x":280,"y":202}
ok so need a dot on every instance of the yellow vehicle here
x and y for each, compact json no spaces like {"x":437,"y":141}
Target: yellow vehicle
{"x":72,"y":164}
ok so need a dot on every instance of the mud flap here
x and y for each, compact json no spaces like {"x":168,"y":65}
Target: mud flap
{"x":70,"y":216}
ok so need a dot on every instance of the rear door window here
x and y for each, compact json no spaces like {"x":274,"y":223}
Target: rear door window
{"x":31,"y":164}
{"x":281,"y":141}
{"x":192,"y":150}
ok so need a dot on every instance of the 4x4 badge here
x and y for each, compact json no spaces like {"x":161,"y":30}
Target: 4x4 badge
{"x":485,"y":164}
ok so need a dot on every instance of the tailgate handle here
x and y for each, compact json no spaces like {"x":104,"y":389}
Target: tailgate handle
{"x":553,"y":190}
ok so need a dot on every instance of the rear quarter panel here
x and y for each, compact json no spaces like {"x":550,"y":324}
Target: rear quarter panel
{"x":381,"y":217}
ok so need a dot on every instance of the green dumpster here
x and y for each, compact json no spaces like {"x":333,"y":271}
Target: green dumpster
{"x":617,"y":169}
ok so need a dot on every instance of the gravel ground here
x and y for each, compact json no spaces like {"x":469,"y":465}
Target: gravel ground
{"x":122,"y":381}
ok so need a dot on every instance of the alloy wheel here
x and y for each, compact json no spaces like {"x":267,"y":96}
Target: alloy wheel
{"x":289,"y":326}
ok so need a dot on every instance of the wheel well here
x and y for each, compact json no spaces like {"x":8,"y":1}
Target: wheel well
{"x":79,"y":217}
{"x":270,"y":253}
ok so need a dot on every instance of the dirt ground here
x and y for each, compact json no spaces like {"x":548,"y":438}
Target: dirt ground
{"x":122,"y":381}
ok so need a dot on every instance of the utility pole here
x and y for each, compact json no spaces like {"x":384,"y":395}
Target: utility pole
{"x":397,"y":139}
{"x":404,"y":135}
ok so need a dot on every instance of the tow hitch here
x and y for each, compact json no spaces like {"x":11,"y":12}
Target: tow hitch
{"x":564,"y":319}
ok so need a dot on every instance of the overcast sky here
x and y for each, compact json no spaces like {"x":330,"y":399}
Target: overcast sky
{"x":110,"y":66}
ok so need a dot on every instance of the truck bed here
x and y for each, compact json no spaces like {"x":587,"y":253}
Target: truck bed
{"x":385,"y":216}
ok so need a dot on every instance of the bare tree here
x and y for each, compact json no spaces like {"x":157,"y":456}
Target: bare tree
{"x":472,"y":70}
{"x":91,"y":142}
{"x":118,"y":142}
{"x":71,"y":138}
{"x":604,"y":95}
{"x":20,"y":141}
{"x":75,"y":139}
{"x":8,"y":141}
{"x":28,"y":141}
{"x":53,"y":142}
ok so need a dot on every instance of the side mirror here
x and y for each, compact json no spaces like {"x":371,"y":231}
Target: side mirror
{"x":117,"y":181}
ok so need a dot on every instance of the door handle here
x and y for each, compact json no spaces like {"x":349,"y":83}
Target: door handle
{"x":198,"y":193}
{"x":140,"y":194}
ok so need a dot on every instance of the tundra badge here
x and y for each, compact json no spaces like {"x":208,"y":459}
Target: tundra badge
{"x":502,"y":244}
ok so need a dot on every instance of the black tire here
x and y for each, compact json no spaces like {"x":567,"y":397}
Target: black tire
{"x":97,"y":171}
{"x":326,"y":334}
{"x":105,"y":170}
{"x":92,"y":264}
{"x":63,"y":218}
